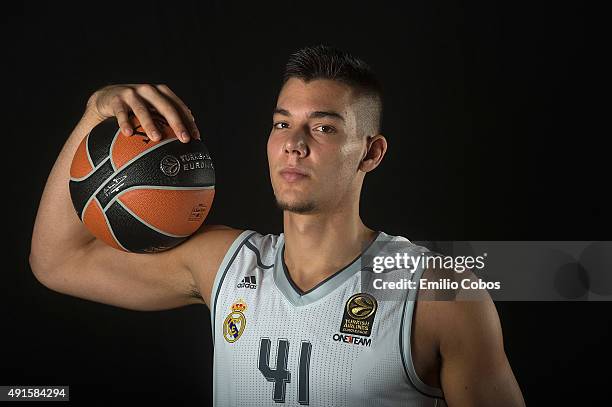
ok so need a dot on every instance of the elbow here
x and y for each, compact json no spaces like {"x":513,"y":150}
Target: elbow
{"x":34,"y":263}
{"x":45,"y":261}
{"x":37,"y":267}
{"x":47,"y":267}
{"x":41,"y":268}
{"x":36,"y":257}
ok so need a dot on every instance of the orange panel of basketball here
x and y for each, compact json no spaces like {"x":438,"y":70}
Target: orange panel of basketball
{"x":177,"y":212}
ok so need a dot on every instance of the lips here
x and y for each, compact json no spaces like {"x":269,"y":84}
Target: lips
{"x":292,"y":174}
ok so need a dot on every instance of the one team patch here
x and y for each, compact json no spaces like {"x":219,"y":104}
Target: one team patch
{"x":234,"y":324}
{"x":359,"y":314}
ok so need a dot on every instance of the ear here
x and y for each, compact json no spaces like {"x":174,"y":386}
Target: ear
{"x":376,"y":147}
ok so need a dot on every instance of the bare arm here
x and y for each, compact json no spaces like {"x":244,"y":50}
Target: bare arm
{"x":143,"y":282}
{"x":475,"y":370}
{"x":65,"y":257}
{"x":57,"y":229}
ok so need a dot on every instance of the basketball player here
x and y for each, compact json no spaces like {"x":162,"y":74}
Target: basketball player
{"x":292,"y":322}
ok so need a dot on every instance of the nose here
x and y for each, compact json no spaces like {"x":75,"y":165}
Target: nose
{"x":295,"y":144}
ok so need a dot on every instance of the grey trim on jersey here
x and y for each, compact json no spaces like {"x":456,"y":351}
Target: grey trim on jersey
{"x":298,"y":297}
{"x":226,"y":263}
{"x":404,"y":339}
{"x":257,"y":255}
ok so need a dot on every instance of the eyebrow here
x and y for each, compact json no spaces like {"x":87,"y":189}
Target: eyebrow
{"x":313,"y":115}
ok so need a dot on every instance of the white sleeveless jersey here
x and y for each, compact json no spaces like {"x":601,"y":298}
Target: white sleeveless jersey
{"x":333,"y":345}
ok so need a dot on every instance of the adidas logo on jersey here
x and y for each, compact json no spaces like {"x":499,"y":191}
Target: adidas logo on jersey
{"x":247,"y":282}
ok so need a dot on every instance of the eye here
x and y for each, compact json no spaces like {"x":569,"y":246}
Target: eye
{"x":329,"y":128}
{"x":275,"y":125}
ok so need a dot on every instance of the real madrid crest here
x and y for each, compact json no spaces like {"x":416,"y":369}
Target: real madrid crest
{"x":359,"y":314}
{"x":234,"y":324}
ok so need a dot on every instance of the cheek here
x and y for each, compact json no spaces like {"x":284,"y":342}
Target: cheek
{"x":271,"y":146}
{"x":351,"y":156}
{"x":342,"y":165}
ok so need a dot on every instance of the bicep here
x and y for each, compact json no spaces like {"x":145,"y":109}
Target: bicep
{"x":141,"y":282}
{"x":475,"y":370}
{"x":212,"y":245}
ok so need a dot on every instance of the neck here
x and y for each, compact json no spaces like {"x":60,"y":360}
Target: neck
{"x":318,"y":245}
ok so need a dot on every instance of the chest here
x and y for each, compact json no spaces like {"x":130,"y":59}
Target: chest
{"x":342,"y":345}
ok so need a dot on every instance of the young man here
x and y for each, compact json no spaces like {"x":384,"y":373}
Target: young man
{"x":294,"y":320}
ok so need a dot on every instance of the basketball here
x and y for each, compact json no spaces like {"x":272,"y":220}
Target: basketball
{"x":138,"y":195}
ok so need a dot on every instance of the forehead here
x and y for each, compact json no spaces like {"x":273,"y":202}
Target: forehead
{"x":318,"y":94}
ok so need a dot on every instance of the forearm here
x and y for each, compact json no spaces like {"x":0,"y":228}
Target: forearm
{"x":58,"y":231}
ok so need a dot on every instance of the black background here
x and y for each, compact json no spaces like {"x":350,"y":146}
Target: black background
{"x":495,"y":131}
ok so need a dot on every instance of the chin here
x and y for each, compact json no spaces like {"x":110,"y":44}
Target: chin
{"x":296,"y":206}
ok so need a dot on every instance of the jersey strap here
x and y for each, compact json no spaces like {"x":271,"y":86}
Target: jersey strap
{"x":225,"y":265}
{"x":405,"y":346}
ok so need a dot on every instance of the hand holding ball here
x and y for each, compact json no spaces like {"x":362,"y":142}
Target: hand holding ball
{"x":140,"y":195}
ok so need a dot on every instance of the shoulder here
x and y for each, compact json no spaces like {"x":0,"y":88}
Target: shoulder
{"x":391,"y":245}
{"x":450,"y":311}
{"x":214,"y":247}
{"x":210,"y":241}
{"x":457,"y":317}
{"x":465,"y":327}
{"x":221,"y":239}
{"x":251,"y":249}
{"x":263,"y":242}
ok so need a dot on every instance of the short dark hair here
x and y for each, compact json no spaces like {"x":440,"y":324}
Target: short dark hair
{"x":327,"y":62}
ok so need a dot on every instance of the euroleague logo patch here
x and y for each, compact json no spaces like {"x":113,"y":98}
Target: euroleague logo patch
{"x":359,"y":314}
{"x":170,"y":165}
{"x":235,"y":323}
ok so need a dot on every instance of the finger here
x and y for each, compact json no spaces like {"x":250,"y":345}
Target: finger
{"x":140,"y":109}
{"x":185,"y":111}
{"x":167,"y":109}
{"x":120,"y":110}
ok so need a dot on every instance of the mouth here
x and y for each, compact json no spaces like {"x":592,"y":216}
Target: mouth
{"x":292,"y":174}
